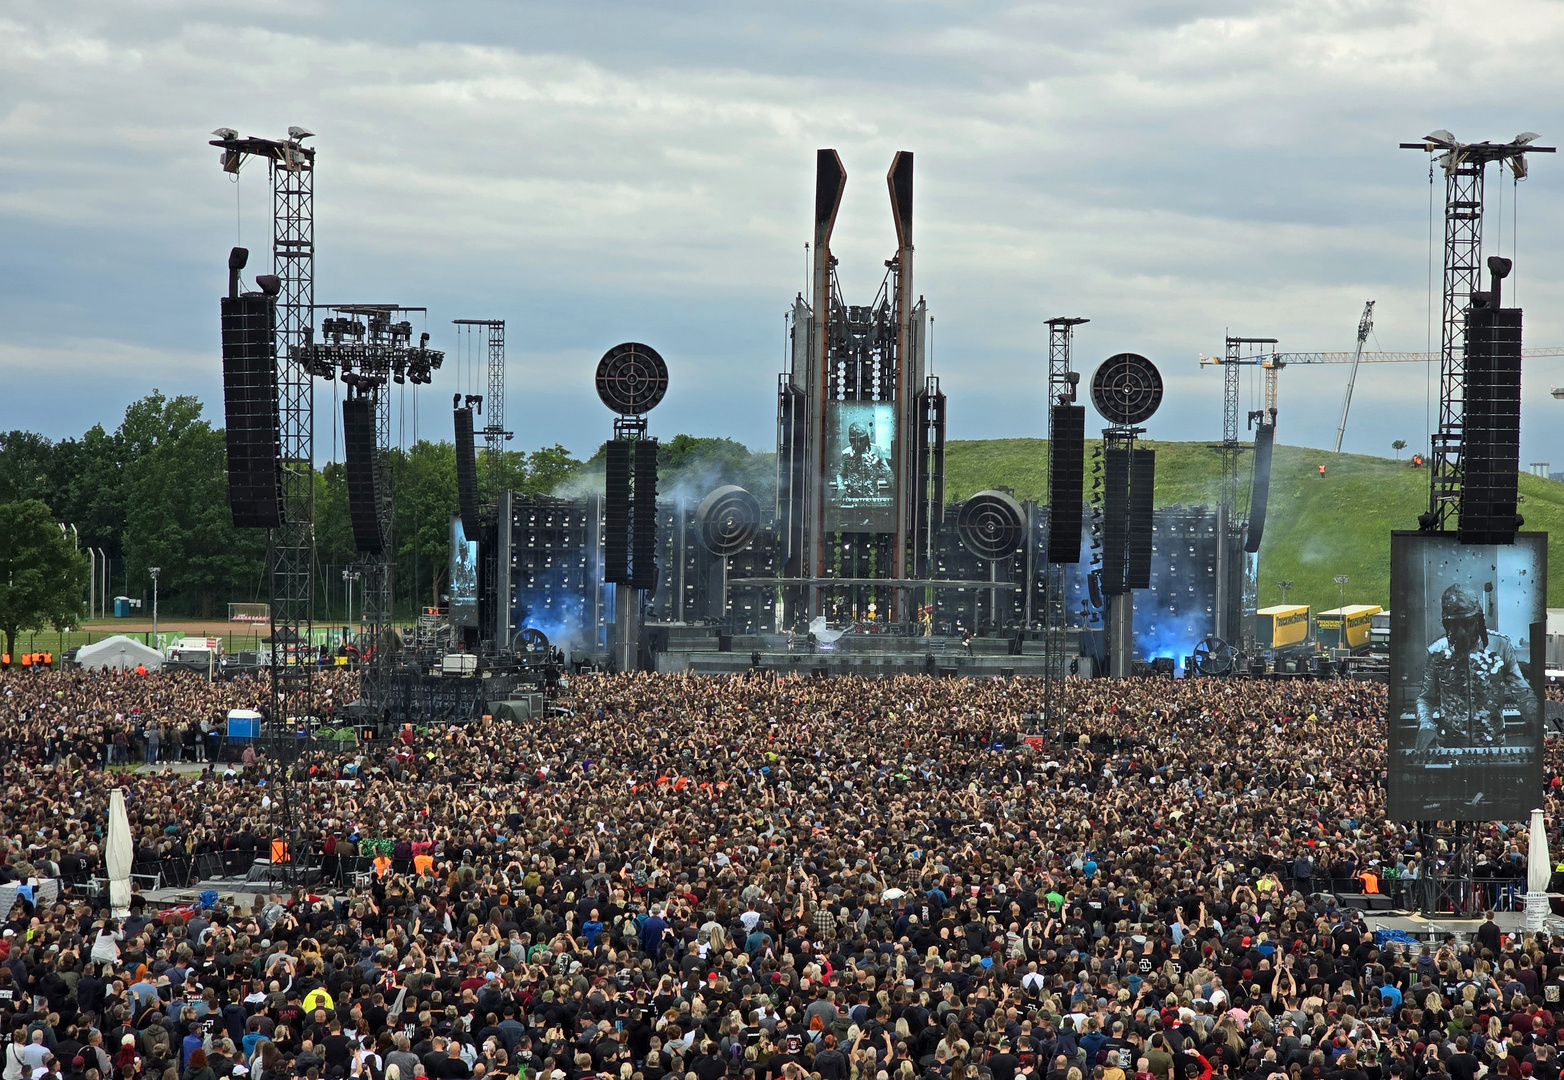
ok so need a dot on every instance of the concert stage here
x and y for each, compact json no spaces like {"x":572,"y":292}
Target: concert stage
{"x":704,"y":651}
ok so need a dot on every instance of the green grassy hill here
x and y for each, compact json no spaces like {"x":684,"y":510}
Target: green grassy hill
{"x":1314,"y":530}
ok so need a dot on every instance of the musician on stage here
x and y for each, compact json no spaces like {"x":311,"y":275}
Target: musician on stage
{"x":1470,"y":676}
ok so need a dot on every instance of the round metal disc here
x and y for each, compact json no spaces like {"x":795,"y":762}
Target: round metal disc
{"x":631,"y":378}
{"x":991,"y":525}
{"x":531,"y":640}
{"x":727,"y":520}
{"x":1126,"y":389}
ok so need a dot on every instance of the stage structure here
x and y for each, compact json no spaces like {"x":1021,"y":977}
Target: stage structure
{"x":631,"y":379}
{"x":860,"y":429}
{"x":1468,"y":605}
{"x":488,"y":631}
{"x":873,"y":571}
{"x":1242,"y":526}
{"x":1465,"y":167}
{"x":1066,"y":468}
{"x":290,"y":549}
{"x":1126,"y":390}
{"x":370,"y":349}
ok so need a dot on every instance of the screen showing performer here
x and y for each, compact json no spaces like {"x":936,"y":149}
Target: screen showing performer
{"x":860,"y":466}
{"x":464,"y":576}
{"x":1466,"y":633}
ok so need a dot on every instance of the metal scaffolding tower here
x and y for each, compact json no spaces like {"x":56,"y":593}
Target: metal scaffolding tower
{"x":370,"y":347}
{"x":1234,"y":589}
{"x":291,"y":546}
{"x":1062,"y":381}
{"x":1465,"y":166}
{"x":494,"y":434}
{"x":493,"y":589}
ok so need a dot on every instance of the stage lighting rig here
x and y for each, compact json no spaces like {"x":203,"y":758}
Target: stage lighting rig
{"x":362,"y":338}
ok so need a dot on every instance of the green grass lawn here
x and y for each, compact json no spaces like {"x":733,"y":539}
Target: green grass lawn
{"x":1314,"y":530}
{"x":49,"y":641}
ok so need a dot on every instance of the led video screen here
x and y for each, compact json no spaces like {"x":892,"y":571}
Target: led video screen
{"x":464,"y":576}
{"x":1467,"y":623}
{"x":860,"y":467}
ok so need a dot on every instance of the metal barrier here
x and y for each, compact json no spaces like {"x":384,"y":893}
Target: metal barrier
{"x":1467,"y":897}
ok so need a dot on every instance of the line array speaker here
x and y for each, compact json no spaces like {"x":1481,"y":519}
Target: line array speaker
{"x":643,"y":525}
{"x":1260,"y":491}
{"x":790,"y":473}
{"x":1066,"y":464}
{"x":1143,"y":480}
{"x":466,"y":473}
{"x":616,"y":514}
{"x":250,"y":414}
{"x":1115,"y":518}
{"x":363,"y":471}
{"x":1491,"y":426}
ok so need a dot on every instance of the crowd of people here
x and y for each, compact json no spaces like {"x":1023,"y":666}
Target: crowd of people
{"x":694,"y":878}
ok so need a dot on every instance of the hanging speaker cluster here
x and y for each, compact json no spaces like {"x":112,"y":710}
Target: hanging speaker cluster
{"x":363,"y":473}
{"x":643,"y":518}
{"x":727,"y":520}
{"x":466,"y":473}
{"x":1126,"y":389}
{"x":251,"y":417}
{"x":991,"y":525}
{"x":631,"y":378}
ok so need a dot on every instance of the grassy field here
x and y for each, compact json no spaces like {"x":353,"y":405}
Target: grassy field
{"x":1314,"y":530}
{"x":49,"y":641}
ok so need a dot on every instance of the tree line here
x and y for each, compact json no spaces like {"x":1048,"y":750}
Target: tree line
{"x":154,"y":492}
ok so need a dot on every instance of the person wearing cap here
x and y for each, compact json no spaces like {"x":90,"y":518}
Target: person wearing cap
{"x":1469,"y":676}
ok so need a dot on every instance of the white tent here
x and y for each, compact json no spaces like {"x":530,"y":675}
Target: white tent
{"x":118,"y":856}
{"x":120,"y":653}
{"x":1539,"y":871}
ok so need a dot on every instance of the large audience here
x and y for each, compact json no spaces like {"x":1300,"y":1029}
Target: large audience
{"x":692,"y":878}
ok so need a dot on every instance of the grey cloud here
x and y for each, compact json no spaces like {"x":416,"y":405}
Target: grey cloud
{"x":600,"y":172}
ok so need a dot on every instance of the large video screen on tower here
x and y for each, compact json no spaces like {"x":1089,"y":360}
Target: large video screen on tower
{"x":860,"y":466}
{"x":1467,"y":623}
{"x":464,"y":576}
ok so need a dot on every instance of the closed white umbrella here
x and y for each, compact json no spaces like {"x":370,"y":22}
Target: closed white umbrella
{"x":118,"y":855}
{"x":1539,"y":872}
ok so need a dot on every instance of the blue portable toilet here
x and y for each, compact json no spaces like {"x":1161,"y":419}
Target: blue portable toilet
{"x":122,"y":607}
{"x":243,"y":724}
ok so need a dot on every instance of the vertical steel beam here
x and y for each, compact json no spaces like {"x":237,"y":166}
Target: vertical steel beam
{"x":830,"y":182}
{"x":291,"y":547}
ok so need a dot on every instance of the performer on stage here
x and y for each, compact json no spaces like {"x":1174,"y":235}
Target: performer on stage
{"x":1469,"y":676}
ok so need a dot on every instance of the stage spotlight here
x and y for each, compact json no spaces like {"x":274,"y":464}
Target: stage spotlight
{"x":297,"y":133}
{"x":270,"y":284}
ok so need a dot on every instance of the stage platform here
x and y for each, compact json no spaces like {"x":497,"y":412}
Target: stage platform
{"x":704,"y":651}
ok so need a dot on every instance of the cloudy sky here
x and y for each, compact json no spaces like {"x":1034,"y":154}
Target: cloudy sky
{"x":597,"y":172}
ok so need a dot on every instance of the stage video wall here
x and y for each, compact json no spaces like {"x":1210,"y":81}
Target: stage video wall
{"x":860,"y":467}
{"x":1467,"y":627}
{"x":464,"y":576}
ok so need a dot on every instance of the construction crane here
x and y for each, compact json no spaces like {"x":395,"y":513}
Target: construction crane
{"x":1365,"y":327}
{"x":1273,"y":362}
{"x":1369,"y":357}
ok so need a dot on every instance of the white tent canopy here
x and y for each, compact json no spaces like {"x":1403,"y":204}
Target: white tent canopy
{"x":120,"y":653}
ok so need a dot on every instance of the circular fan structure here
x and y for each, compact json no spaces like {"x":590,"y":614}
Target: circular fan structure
{"x":1126,"y":389}
{"x":530,"y":640}
{"x":1213,"y":656}
{"x":631,"y":378}
{"x":727,"y":520}
{"x":991,"y":525}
